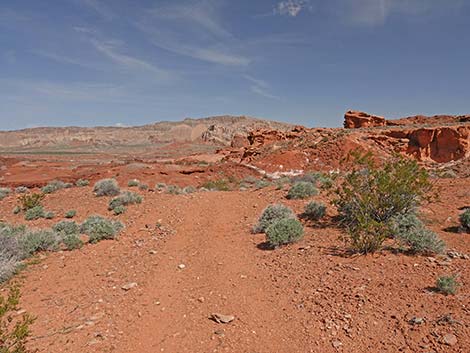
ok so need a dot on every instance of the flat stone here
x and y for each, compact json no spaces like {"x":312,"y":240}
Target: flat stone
{"x":449,"y":339}
{"x":129,"y":286}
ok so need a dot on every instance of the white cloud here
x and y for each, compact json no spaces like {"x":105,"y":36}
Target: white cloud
{"x":292,"y":7}
{"x":260,"y":87}
{"x":100,"y":8}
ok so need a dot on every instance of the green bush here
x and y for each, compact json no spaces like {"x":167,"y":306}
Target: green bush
{"x":189,"y":190}
{"x":126,"y":198}
{"x":70,"y":214}
{"x":49,"y":215}
{"x":119,"y":210}
{"x":106,"y":187}
{"x":54,"y":186}
{"x":410,"y":231}
{"x":174,"y":190}
{"x":302,"y":190}
{"x":11,"y":252}
{"x":17,"y":210}
{"x":99,"y":228}
{"x":14,"y":328}
{"x":38,"y":240}
{"x":66,"y":227}
{"x":447,"y":284}
{"x":72,"y":241}
{"x":370,"y":196}
{"x":143,"y":187}
{"x":315,"y":211}
{"x":271,"y":214}
{"x":160,"y":186}
{"x":82,"y":182}
{"x":217,"y":185}
{"x":4,"y":192}
{"x":34,"y":213}
{"x":133,"y":182}
{"x":465,"y":220}
{"x":261,"y":184}
{"x":284,"y":231}
{"x":30,"y":201}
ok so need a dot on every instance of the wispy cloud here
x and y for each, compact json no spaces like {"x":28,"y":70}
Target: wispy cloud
{"x":292,"y":8}
{"x":98,"y":7}
{"x":260,"y":87}
{"x":63,"y":59}
{"x":195,"y":30}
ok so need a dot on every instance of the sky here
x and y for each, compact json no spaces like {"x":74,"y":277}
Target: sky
{"x":132,"y":62}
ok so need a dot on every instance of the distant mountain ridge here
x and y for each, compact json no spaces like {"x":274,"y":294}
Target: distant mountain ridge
{"x":217,"y":130}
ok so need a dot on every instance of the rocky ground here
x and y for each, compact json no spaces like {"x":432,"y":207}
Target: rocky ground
{"x":184,"y":260}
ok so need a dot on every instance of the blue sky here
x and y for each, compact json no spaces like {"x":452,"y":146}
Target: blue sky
{"x":131,"y":62}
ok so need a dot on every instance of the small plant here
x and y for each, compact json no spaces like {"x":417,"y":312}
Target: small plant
{"x":315,"y":211}
{"x":70,"y":214}
{"x":119,"y":210}
{"x":106,"y":187}
{"x":4,"y":192}
{"x":160,"y":186}
{"x":261,"y":184}
{"x":54,"y":186}
{"x":217,"y":185}
{"x":126,"y":198}
{"x":174,"y":190}
{"x":17,"y":210}
{"x":447,"y":284}
{"x":72,"y":241}
{"x":143,"y":187}
{"x":99,"y":228}
{"x":284,"y":231}
{"x":14,"y":331}
{"x":49,"y":215}
{"x":189,"y":190}
{"x":271,"y":214}
{"x":465,"y":220}
{"x":21,"y":190}
{"x":82,"y":182}
{"x":410,"y":231}
{"x":66,"y":228}
{"x":34,"y":213}
{"x":30,"y":201}
{"x":302,"y":190}
{"x":10,"y":251}
{"x":42,"y":240}
{"x":133,"y":183}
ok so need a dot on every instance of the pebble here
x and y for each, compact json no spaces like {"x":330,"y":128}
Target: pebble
{"x":449,"y":339}
{"x":129,"y":286}
{"x":337,"y":343}
{"x":181,"y":266}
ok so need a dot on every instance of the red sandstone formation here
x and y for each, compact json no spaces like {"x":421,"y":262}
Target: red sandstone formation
{"x":355,"y":119}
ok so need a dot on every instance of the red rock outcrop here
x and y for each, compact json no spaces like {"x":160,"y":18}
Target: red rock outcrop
{"x":354,"y":120}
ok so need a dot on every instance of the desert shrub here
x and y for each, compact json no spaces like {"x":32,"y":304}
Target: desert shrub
{"x":143,"y":187}
{"x":14,"y":330}
{"x":410,"y":231}
{"x":99,"y":228}
{"x":309,"y":177}
{"x":447,"y":284}
{"x":261,"y":184}
{"x":66,"y":227}
{"x":126,"y":198}
{"x":106,"y":187}
{"x":302,"y":190}
{"x":189,"y":190}
{"x":82,"y":182}
{"x":4,"y":192}
{"x":370,"y":196}
{"x":38,"y":240}
{"x":49,"y":215}
{"x":284,"y":231}
{"x":271,"y":214}
{"x":54,"y":186}
{"x":133,"y":182}
{"x":10,"y":252}
{"x":119,"y":210}
{"x":72,"y":241}
{"x":21,"y":190}
{"x":217,"y":185}
{"x":464,"y":219}
{"x":174,"y":190}
{"x":30,"y":201}
{"x":160,"y":186}
{"x":70,"y":214}
{"x":17,"y":210}
{"x":250,"y":180}
{"x":315,"y":211}
{"x":34,"y":213}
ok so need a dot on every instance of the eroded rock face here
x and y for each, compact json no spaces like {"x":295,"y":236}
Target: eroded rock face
{"x":440,"y":144}
{"x":354,"y":120}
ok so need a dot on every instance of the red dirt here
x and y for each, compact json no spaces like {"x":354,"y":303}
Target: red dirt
{"x":306,"y":297}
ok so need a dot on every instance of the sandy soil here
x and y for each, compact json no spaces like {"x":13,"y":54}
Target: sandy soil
{"x":306,"y":297}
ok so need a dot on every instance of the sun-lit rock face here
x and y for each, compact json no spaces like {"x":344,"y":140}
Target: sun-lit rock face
{"x":355,"y":119}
